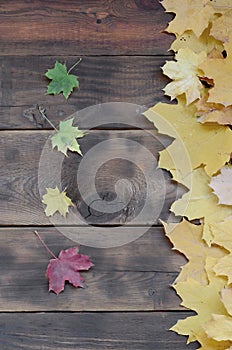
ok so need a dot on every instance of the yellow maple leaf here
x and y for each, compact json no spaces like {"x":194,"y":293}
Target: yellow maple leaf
{"x":194,"y":143}
{"x":228,"y":47}
{"x":223,"y":267}
{"x":222,"y":27}
{"x":56,"y":201}
{"x":219,"y":327}
{"x":205,"y":42}
{"x":210,"y":112}
{"x":226,"y":295}
{"x":187,"y":238}
{"x":186,"y":14}
{"x":222,"y":233}
{"x":221,"y":6}
{"x":211,"y":344}
{"x":185,"y":74}
{"x":201,"y":202}
{"x":204,"y":299}
{"x":220,"y":71}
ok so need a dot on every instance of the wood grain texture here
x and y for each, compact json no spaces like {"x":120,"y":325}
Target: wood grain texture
{"x":102,"y":79}
{"x":20,"y":201}
{"x":93,"y":27}
{"x":136,"y":276}
{"x":150,"y":253}
{"x":91,"y":331}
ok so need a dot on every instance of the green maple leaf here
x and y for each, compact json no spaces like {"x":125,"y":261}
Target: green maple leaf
{"x":62,"y":81}
{"x":66,"y":136}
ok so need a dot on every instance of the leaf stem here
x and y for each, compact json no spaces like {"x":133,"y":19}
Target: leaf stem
{"x":45,"y":245}
{"x":42,"y":112}
{"x":80,"y":59}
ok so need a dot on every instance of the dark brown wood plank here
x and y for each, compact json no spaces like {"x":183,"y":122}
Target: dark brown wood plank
{"x":79,"y":27}
{"x":91,"y":331}
{"x":150,"y":253}
{"x":20,"y":201}
{"x":136,"y":276}
{"x":26,"y":289}
{"x":102,"y":79}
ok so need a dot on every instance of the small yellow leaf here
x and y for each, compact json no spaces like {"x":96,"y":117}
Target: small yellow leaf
{"x":187,"y":238}
{"x":185,"y":74}
{"x":56,"y":201}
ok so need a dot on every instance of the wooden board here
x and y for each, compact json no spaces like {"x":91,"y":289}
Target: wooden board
{"x":136,"y":276}
{"x":91,"y":331}
{"x":93,"y":27}
{"x":20,"y":200}
{"x":128,"y":302}
{"x":102,"y":79}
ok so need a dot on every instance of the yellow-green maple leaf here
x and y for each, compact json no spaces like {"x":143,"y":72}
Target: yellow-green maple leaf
{"x":204,"y":299}
{"x":200,"y":202}
{"x":185,"y":74}
{"x":194,"y":143}
{"x":65,"y":138}
{"x":187,"y":238}
{"x":56,"y":201}
{"x":192,"y":15}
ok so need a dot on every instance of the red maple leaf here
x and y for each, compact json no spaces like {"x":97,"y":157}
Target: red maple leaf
{"x":66,"y":268}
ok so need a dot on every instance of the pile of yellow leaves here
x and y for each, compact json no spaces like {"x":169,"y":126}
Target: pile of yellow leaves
{"x":200,"y":123}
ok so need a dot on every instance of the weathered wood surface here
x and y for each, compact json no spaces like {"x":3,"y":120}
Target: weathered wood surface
{"x":114,"y":27}
{"x":136,"y":276}
{"x":128,"y":302}
{"x":91,"y":331}
{"x":20,"y":200}
{"x":102,"y":79}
